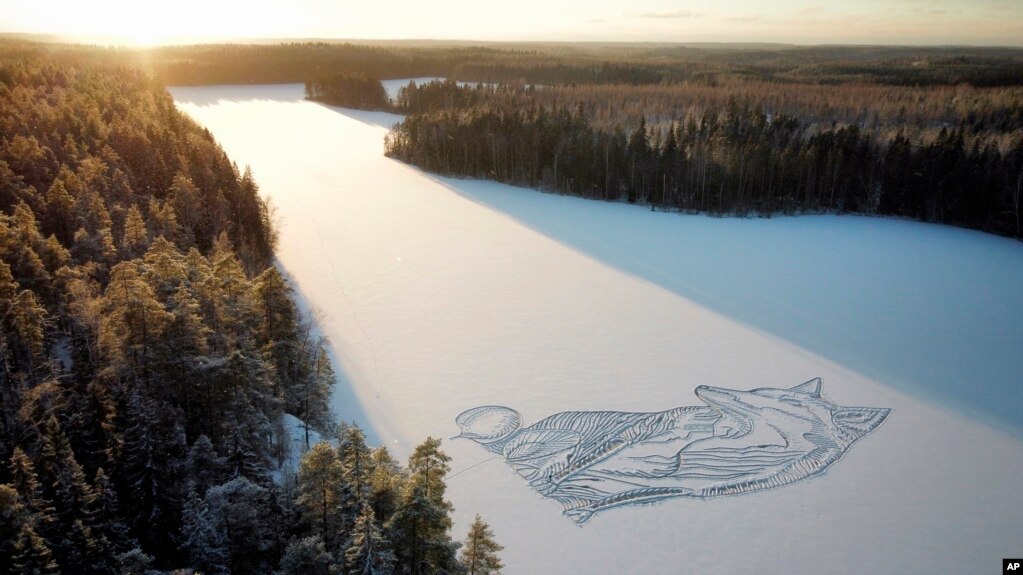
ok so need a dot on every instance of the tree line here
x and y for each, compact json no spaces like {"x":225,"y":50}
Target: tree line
{"x":348,"y":90}
{"x":149,"y":352}
{"x":920,"y":112}
{"x":735,"y":160}
{"x":539,"y":63}
{"x":557,"y":63}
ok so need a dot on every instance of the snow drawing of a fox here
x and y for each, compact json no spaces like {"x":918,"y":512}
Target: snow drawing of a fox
{"x":739,"y":442}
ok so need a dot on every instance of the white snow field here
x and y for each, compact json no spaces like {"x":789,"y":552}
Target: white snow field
{"x":440,"y":295}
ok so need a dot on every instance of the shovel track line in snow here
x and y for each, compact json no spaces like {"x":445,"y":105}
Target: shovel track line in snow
{"x":473,"y":466}
{"x":344,"y":294}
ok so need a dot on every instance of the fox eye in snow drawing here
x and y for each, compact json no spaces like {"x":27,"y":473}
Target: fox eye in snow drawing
{"x":739,"y":442}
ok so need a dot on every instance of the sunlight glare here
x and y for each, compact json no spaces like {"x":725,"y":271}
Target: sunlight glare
{"x":981,"y":22}
{"x":146,"y":24}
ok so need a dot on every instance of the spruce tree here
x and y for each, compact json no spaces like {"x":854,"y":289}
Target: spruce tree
{"x":9,"y":392}
{"x":133,"y":320}
{"x":134,"y":561}
{"x":185,"y":202}
{"x":163,"y":268}
{"x":187,"y":334}
{"x":60,"y":209}
{"x":91,"y":211}
{"x":479,"y":553}
{"x":308,"y":556}
{"x":8,"y":287}
{"x":163,"y":222}
{"x":75,"y":546}
{"x":231,"y":293}
{"x":278,"y":314}
{"x":107,"y":513}
{"x":25,"y":481}
{"x":135,"y":237}
{"x":356,"y":461}
{"x":430,"y":464}
{"x":13,"y":516}
{"x":19,"y":252}
{"x":321,"y":492}
{"x":150,"y":477}
{"x":201,"y":540}
{"x":309,"y":398}
{"x":205,"y":467}
{"x":96,"y":246}
{"x":72,"y":495}
{"x":28,"y":319}
{"x":26,"y":227}
{"x":369,"y":552}
{"x":278,"y":329}
{"x":31,"y":555}
{"x":54,"y":255}
{"x":419,"y":527}
{"x":81,"y":551}
{"x":238,"y":509}
{"x":387,"y":483}
{"x":245,"y":459}
{"x":32,"y":500}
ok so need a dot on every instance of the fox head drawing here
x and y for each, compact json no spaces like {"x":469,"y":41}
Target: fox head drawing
{"x":793,"y":434}
{"x":798,"y":414}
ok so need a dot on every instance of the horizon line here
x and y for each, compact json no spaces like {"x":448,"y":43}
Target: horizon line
{"x":127,"y":41}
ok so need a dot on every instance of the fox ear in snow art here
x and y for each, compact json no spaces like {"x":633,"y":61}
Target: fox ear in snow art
{"x":739,"y":442}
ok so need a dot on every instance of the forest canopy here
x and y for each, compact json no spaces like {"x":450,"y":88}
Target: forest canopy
{"x":154,"y":366}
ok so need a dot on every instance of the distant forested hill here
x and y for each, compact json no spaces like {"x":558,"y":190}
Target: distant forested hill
{"x":590,"y":64}
{"x":557,"y":63}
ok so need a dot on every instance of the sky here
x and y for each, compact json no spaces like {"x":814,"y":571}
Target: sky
{"x":927,"y":22}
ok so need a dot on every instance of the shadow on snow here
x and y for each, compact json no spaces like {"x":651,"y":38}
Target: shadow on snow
{"x":931,"y":310}
{"x":344,"y":403}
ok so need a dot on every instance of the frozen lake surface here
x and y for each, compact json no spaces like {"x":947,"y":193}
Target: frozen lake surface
{"x":441,"y":295}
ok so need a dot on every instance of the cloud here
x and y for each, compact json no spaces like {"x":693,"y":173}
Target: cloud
{"x":683,"y":13}
{"x":596,"y":20}
{"x":745,"y":18}
{"x":810,"y":10}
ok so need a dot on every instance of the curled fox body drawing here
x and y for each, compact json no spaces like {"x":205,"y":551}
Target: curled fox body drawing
{"x":738,"y":442}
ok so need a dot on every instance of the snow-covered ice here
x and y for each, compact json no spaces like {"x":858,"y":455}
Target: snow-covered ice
{"x":296,"y":444}
{"x":392,"y":87}
{"x":441,"y":295}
